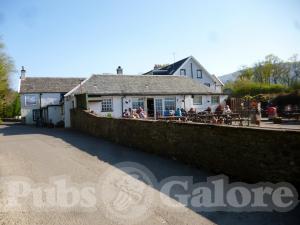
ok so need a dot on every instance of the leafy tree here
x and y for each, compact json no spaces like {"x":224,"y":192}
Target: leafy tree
{"x":7,"y":96}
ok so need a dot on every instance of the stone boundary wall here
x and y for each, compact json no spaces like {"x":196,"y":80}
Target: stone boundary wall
{"x":247,"y":154}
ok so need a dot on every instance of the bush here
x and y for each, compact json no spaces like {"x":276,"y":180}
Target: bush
{"x":243,"y":88}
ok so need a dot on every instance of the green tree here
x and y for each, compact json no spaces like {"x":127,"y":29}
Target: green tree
{"x":6,"y":67}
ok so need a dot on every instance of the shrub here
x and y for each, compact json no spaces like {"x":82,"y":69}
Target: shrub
{"x":243,"y":88}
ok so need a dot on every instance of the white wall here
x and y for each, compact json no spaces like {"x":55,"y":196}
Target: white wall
{"x":206,"y":102}
{"x":44,"y":99}
{"x":206,"y":78}
{"x":55,"y":114}
{"x":68,"y":105}
{"x":96,"y":107}
{"x":127,"y":103}
{"x":26,"y":111}
{"x":117,"y":107}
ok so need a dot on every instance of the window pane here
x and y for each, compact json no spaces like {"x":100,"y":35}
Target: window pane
{"x":199,"y":73}
{"x":197,"y":100}
{"x":137,"y":103}
{"x":215,"y":99}
{"x":30,"y":100}
{"x":182,"y":72}
{"x":107,"y":105}
{"x":170,"y":103}
{"x":159,"y":107}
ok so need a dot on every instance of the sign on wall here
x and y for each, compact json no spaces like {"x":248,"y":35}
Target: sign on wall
{"x":30,"y":100}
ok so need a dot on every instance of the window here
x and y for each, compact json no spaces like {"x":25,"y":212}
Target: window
{"x":197,"y":100}
{"x":170,"y":103}
{"x":107,"y":105}
{"x":207,"y":84}
{"x":159,"y":107}
{"x":199,"y":74}
{"x":215,"y":99}
{"x":36,"y":113}
{"x":182,"y":72}
{"x":137,"y":103}
{"x":30,"y":100}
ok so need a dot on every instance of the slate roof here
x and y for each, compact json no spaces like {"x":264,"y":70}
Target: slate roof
{"x":48,"y":84}
{"x":167,"y":70}
{"x":139,"y":85}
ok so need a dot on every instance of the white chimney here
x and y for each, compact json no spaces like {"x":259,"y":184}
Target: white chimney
{"x":23,"y":73}
{"x":119,"y":70}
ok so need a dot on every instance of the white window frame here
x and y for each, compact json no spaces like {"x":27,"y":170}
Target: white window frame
{"x":215,"y":102}
{"x":200,"y":102}
{"x":140,"y":103}
{"x":30,"y":96}
{"x":183,"y":72}
{"x":199,"y":74}
{"x":169,"y":99}
{"x":107,"y":106}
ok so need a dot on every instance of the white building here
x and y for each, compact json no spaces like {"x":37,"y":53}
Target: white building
{"x":191,"y":68}
{"x":110,"y":95}
{"x":43,"y":97}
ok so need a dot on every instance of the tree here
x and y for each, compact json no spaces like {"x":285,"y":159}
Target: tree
{"x":246,"y":73}
{"x":6,"y":67}
{"x":295,"y":70}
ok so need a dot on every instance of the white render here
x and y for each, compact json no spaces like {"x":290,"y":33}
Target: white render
{"x":121,"y":103}
{"x":191,"y":66}
{"x":42,"y":100}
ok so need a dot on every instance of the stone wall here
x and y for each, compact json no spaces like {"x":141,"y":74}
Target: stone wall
{"x":248,"y":154}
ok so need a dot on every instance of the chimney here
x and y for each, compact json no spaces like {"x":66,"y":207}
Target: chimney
{"x":23,"y":73}
{"x":119,"y":70}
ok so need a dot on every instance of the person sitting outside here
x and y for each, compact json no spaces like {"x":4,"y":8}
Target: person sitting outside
{"x":142,"y":113}
{"x":219,"y":110}
{"x":126,"y":114}
{"x":227,"y":110}
{"x":192,"y":111}
{"x":178,"y":112}
{"x":135,"y":115}
{"x":208,"y":110}
{"x":183,"y":112}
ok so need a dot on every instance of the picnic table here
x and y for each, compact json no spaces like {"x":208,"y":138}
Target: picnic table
{"x":172,"y":118}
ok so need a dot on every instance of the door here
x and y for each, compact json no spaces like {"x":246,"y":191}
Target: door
{"x":150,"y":107}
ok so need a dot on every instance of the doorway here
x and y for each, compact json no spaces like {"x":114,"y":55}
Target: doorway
{"x":150,"y":107}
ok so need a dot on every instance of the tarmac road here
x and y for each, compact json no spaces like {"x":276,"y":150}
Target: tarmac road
{"x":35,"y":155}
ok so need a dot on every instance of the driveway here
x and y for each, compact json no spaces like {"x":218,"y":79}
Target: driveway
{"x":96,"y":169}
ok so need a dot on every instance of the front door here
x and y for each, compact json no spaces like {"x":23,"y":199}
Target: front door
{"x":150,"y":107}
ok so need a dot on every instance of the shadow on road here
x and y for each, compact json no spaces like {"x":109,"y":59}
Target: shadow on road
{"x":160,"y":167}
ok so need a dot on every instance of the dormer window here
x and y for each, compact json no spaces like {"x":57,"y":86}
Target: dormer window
{"x":183,"y":72}
{"x":199,"y":74}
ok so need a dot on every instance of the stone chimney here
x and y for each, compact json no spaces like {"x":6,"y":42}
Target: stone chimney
{"x":119,"y":70}
{"x":23,"y":73}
